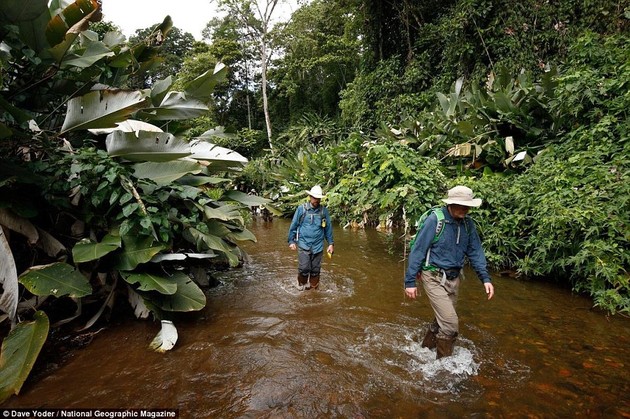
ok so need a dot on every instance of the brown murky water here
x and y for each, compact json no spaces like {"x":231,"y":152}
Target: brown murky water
{"x":262,"y":349}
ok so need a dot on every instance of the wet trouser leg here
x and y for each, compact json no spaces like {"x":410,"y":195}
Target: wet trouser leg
{"x":310,"y":265}
{"x":443,"y":298}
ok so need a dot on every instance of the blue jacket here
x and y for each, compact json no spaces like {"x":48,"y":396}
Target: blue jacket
{"x":308,"y":229}
{"x":457,"y":241}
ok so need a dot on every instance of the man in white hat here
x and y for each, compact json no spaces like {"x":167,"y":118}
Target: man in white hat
{"x":310,"y":226}
{"x":437,"y":258}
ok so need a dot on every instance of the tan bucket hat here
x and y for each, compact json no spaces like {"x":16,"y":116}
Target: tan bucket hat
{"x":462,"y":195}
{"x":316,"y":192}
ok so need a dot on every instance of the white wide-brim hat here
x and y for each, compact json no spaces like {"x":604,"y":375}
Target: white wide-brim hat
{"x":461,"y":195}
{"x":316,"y":192}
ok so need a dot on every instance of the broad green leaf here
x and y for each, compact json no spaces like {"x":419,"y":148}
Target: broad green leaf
{"x":160,"y":89}
{"x":137,"y":250}
{"x":86,"y":250}
{"x":102,"y":109}
{"x":443,"y":102}
{"x":245,"y":199}
{"x":226,"y":212}
{"x":166,"y":173}
{"x":95,"y":52}
{"x":166,"y":338}
{"x":20,"y":350}
{"x":244,"y":235}
{"x":189,"y":297}
{"x":57,"y":279}
{"x":175,"y":106}
{"x":146,"y":146}
{"x":149,"y":282}
{"x":203,"y":86}
{"x":212,"y":242}
{"x":8,"y":279}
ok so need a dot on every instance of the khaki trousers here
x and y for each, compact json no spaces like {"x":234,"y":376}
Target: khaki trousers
{"x":443,"y":297}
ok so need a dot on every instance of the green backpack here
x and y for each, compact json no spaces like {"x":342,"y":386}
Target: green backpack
{"x":439,"y":228}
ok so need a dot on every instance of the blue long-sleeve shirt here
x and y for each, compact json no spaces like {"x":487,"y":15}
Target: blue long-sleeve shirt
{"x":457,"y":241}
{"x":307,"y":231}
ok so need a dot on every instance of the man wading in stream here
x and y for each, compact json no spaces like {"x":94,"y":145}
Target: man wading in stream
{"x":437,"y":259}
{"x":310,"y":225}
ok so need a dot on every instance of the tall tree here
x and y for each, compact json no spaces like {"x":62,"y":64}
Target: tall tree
{"x":255,"y":19}
{"x":321,"y":51}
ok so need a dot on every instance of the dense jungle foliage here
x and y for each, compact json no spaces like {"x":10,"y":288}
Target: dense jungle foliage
{"x":125,"y":163}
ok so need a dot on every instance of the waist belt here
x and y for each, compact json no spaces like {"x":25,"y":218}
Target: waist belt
{"x":448,"y":274}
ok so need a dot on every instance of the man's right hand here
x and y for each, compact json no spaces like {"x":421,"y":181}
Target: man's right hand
{"x":292,"y":246}
{"x":411,"y":292}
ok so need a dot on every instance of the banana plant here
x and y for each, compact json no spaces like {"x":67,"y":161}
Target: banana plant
{"x":139,"y":197}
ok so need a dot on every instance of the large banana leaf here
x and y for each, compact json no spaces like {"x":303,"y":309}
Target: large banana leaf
{"x":94,"y":52}
{"x":149,"y":282}
{"x":245,"y":199}
{"x":57,"y":279}
{"x":175,"y":106}
{"x":130,"y":125}
{"x":189,"y":297}
{"x":86,"y":250}
{"x":137,"y":250}
{"x":19,"y":352}
{"x":63,"y":29}
{"x":203,"y":86}
{"x":102,"y":109}
{"x":166,"y":173}
{"x":146,"y":146}
{"x":211,"y":242}
{"x":8,"y":278}
{"x":220,"y":157}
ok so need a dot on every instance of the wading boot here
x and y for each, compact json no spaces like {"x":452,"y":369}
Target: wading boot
{"x":302,"y":282}
{"x":314,"y":281}
{"x":430,"y":339}
{"x":445,"y":346}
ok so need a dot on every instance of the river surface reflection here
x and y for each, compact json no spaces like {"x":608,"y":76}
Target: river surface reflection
{"x":263,"y":349}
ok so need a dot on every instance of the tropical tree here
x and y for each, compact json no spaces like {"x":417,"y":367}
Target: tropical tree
{"x":255,"y":18}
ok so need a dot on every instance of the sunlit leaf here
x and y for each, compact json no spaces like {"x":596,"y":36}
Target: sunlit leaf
{"x":147,"y":146}
{"x":56,"y":279}
{"x":175,"y":106}
{"x":245,"y":199}
{"x":102,"y":109}
{"x":20,"y":350}
{"x":166,"y":338}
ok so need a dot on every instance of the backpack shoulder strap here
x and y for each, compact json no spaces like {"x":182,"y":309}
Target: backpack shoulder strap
{"x":439,"y":227}
{"x":303,"y":215}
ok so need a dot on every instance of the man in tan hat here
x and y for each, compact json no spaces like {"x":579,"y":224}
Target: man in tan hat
{"x":437,"y":258}
{"x":310,"y":226}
